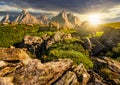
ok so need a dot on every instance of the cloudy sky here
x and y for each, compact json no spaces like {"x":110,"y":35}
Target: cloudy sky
{"x":108,"y":9}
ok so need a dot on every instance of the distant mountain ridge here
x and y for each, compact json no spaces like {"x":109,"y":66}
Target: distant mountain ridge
{"x":24,"y":17}
{"x":64,"y":19}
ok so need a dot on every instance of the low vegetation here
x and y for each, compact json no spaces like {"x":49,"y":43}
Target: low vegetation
{"x":72,"y":49}
{"x":12,"y":34}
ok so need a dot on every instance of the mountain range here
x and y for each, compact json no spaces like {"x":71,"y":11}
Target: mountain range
{"x":64,"y":19}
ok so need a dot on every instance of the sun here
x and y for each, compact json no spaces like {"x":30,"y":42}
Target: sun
{"x":94,"y":19}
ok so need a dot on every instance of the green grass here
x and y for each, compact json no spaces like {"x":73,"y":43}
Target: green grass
{"x":72,"y":49}
{"x":9,"y":35}
{"x":113,"y":25}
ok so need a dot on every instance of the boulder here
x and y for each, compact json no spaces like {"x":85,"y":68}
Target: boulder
{"x":41,"y":74}
{"x":29,"y":40}
{"x":6,"y":81}
{"x":69,"y":78}
{"x":14,"y":54}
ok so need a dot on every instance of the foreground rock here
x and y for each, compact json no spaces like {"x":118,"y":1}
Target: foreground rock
{"x":17,"y":68}
{"x":108,"y":69}
{"x":15,"y":71}
{"x":14,"y":54}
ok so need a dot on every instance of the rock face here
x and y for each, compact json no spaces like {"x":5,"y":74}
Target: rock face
{"x":38,"y":45}
{"x":14,"y":54}
{"x":58,"y":72}
{"x":26,"y":18}
{"x":112,"y":38}
{"x":43,"y":18}
{"x":108,"y":69}
{"x":17,"y":68}
{"x":63,"y":20}
{"x":53,"y":24}
{"x":73,"y":19}
{"x":5,"y":19}
{"x":93,"y":45}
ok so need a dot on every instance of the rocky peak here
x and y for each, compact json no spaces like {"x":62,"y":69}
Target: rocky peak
{"x":24,"y":12}
{"x":26,"y":18}
{"x":63,"y":14}
{"x":62,"y":19}
{"x":6,"y":18}
{"x":43,"y":18}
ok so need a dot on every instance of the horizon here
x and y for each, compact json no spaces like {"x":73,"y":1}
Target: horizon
{"x":108,"y":10}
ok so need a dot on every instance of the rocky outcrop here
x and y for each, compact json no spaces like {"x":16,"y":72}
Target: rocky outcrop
{"x":93,"y":45}
{"x":108,"y":69}
{"x":13,"y":54}
{"x":58,"y":72}
{"x":38,"y":45}
{"x":54,"y":25}
{"x":110,"y":38}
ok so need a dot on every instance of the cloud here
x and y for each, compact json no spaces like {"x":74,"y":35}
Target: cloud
{"x":109,"y":9}
{"x":79,"y":6}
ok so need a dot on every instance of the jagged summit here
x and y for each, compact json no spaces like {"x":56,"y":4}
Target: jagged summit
{"x":6,"y":18}
{"x":66,"y":20}
{"x":43,"y":18}
{"x":25,"y":17}
{"x":24,"y":11}
{"x":62,"y":19}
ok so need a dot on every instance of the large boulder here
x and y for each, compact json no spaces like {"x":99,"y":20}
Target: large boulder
{"x":17,"y":68}
{"x":14,"y":54}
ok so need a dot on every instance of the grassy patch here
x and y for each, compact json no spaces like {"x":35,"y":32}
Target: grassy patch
{"x":72,"y":49}
{"x":11,"y":34}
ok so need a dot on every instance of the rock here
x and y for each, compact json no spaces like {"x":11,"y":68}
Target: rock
{"x":81,"y":71}
{"x":5,"y":19}
{"x":41,"y":74}
{"x":3,"y":64}
{"x":30,"y":40}
{"x":73,"y":19}
{"x":16,"y":54}
{"x":112,"y":38}
{"x":12,"y":47}
{"x":108,"y":69}
{"x":95,"y":79}
{"x":45,"y":37}
{"x":19,"y":69}
{"x":67,"y":36}
{"x":43,"y":18}
{"x":6,"y":81}
{"x":54,"y":25}
{"x":69,"y":78}
{"x":58,"y":36}
{"x":93,"y":45}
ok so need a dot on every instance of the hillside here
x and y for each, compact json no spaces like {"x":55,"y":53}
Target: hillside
{"x":60,"y":42}
{"x":114,"y":24}
{"x":28,"y":48}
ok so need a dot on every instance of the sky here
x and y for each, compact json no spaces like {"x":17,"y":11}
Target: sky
{"x":109,"y":10}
